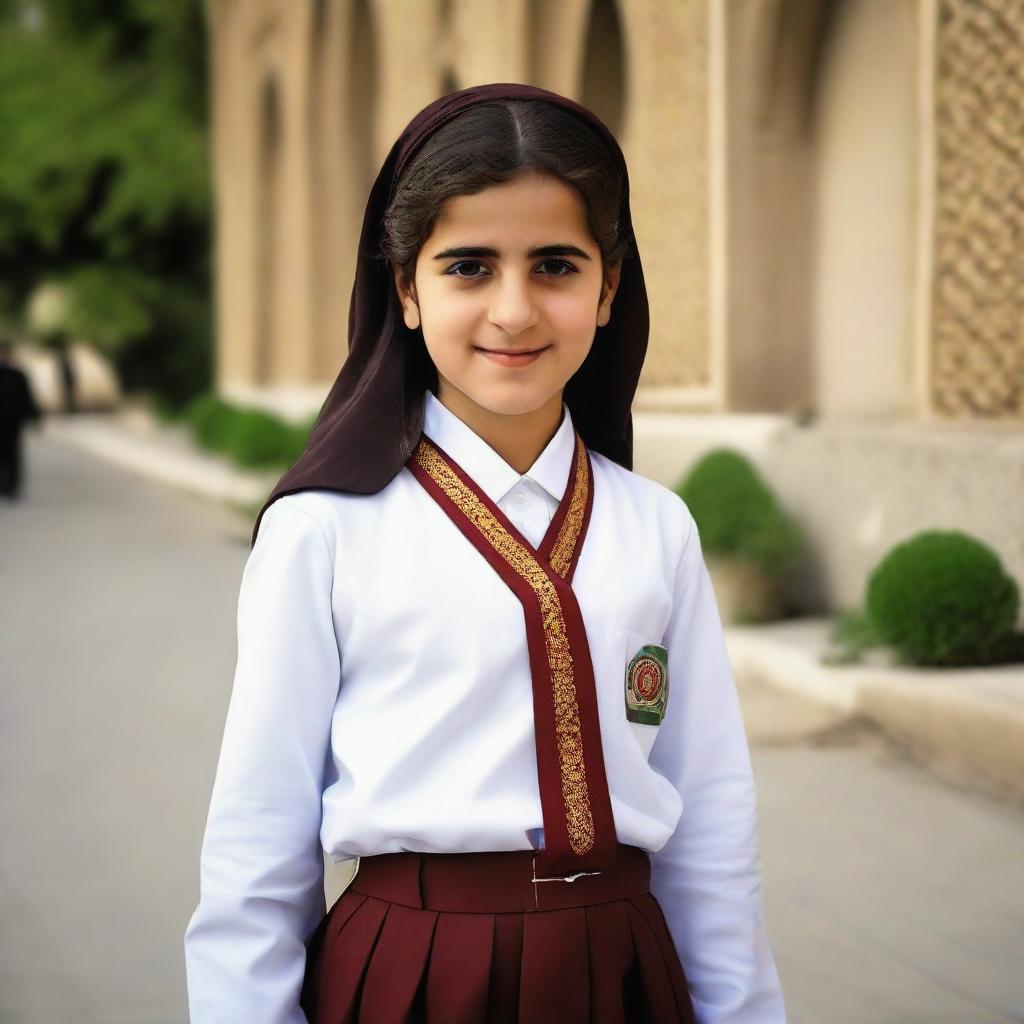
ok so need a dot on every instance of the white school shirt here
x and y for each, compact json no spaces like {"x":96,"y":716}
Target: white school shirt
{"x":382,"y":701}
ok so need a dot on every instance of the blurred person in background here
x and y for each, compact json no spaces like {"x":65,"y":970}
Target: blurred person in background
{"x":67,"y":377}
{"x":17,"y":405}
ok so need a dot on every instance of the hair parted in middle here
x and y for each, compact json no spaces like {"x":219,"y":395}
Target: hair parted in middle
{"x":488,"y":144}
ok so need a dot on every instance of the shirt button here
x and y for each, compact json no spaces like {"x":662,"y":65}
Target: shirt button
{"x":520,"y":498}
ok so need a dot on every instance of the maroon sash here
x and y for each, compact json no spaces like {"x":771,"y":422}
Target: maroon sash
{"x":579,"y":831}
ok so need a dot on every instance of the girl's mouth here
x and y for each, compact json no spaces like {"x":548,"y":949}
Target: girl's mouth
{"x":512,"y":357}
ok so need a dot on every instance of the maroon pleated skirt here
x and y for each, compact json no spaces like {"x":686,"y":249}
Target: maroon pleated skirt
{"x":470,"y":937}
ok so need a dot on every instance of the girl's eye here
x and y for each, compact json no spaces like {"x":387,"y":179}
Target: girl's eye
{"x":566,"y":268}
{"x":454,"y":268}
{"x":555,"y":268}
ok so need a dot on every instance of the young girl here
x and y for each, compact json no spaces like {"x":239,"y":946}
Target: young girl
{"x":475,"y":650}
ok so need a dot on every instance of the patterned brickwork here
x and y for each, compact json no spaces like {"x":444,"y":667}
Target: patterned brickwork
{"x":667,"y":150}
{"x":977,"y":366}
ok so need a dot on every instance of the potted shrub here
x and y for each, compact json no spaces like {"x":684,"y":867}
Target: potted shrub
{"x":748,"y":540}
{"x":943,"y":598}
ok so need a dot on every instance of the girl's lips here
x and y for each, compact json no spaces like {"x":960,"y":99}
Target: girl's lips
{"x":511,"y":358}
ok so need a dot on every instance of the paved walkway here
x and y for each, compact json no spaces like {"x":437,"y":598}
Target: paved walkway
{"x":892,"y":898}
{"x":117,"y":598}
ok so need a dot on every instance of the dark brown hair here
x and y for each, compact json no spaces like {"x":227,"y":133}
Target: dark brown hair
{"x":493,"y":142}
{"x":372,"y":418}
{"x":486,"y":144}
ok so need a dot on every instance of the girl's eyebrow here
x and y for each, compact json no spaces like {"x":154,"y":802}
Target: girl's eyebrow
{"x":470,"y":251}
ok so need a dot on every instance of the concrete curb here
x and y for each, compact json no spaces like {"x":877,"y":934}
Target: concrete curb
{"x":135,"y":441}
{"x":969,"y":722}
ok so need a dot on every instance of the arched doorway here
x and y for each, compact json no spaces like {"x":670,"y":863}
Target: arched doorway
{"x":362,"y":93}
{"x":267,"y":223}
{"x":863,"y":131}
{"x":819,"y":225}
{"x":343,"y":95}
{"x":603,"y":86}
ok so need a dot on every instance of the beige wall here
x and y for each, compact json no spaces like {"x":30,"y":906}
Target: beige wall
{"x":862,"y":205}
{"x":819,"y":230}
{"x":309,"y":97}
{"x":827,"y":197}
{"x":771,"y":56}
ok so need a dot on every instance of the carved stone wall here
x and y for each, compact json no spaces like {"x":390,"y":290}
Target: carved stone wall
{"x":977,"y":306}
{"x":309,"y":96}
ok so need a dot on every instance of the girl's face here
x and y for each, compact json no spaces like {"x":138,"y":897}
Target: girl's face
{"x":508,"y":290}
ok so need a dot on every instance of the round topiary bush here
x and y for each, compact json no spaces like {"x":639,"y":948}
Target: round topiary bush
{"x":737,"y":513}
{"x":943,"y":598}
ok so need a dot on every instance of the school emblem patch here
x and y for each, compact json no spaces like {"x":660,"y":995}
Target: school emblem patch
{"x":647,"y":685}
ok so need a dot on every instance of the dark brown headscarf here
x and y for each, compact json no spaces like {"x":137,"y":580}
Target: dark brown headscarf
{"x":372,"y":417}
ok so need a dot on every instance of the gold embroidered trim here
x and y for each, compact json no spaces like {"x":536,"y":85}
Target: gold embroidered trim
{"x":568,"y":534}
{"x":575,"y":794}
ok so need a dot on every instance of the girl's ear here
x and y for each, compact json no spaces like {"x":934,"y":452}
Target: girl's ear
{"x":406,"y":288}
{"x":608,"y":289}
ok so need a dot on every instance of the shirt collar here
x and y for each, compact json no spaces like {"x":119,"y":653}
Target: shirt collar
{"x":491,"y":473}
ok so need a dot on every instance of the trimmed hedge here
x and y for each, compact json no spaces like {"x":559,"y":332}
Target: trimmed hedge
{"x":251,"y":437}
{"x":942,"y":598}
{"x":737,"y":513}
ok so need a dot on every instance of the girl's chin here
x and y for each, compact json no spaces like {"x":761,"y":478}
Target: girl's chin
{"x":515,"y":399}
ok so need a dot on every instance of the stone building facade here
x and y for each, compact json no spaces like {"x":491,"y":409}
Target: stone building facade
{"x":828,"y":196}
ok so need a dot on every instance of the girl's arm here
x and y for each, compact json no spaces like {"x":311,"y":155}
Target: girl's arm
{"x":707,"y":877}
{"x":261,"y":866}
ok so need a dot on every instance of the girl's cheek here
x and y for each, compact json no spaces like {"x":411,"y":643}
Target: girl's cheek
{"x":573,"y":319}
{"x":575,"y":301}
{"x":443,"y":314}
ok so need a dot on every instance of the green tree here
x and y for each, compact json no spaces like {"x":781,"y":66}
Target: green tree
{"x":104,"y":177}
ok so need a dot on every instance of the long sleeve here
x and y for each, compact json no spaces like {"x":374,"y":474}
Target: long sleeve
{"x":261,"y":864}
{"x":707,"y":877}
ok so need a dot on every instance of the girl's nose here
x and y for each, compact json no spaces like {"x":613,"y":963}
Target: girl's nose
{"x":512,"y":306}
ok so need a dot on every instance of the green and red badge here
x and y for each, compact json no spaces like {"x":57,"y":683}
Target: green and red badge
{"x":647,"y":685}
